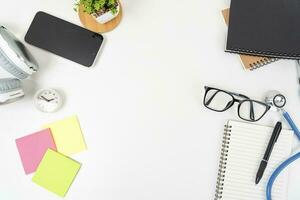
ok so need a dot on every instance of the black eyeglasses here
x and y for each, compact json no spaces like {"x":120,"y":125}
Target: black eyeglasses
{"x":221,"y":100}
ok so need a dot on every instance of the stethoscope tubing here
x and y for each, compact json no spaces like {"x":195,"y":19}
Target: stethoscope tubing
{"x":278,"y":170}
{"x":291,"y":123}
{"x":287,"y":162}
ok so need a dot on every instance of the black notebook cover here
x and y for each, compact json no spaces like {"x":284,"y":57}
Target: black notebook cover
{"x":265,"y":28}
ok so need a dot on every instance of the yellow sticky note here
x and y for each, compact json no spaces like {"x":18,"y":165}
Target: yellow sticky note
{"x":56,"y":172}
{"x":67,"y":135}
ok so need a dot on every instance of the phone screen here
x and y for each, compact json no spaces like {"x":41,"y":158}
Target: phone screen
{"x":64,"y":39}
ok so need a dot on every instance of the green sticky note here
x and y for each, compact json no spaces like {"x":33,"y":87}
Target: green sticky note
{"x":67,"y":135}
{"x":56,"y":172}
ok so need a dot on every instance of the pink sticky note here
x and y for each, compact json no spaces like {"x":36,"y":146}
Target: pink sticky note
{"x":32,"y":149}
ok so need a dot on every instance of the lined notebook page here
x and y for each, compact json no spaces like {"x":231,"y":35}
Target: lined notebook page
{"x":246,"y":148}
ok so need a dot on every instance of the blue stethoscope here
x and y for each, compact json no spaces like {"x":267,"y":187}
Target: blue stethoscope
{"x":277,"y":101}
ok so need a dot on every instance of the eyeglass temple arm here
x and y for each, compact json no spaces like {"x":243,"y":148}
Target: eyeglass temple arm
{"x":252,"y":116}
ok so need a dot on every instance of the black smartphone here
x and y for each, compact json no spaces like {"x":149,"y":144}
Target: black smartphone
{"x":64,"y":39}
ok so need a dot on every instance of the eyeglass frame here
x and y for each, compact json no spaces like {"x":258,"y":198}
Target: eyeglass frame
{"x":234,"y":100}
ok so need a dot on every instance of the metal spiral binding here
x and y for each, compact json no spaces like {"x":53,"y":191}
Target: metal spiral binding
{"x":262,"y":63}
{"x":223,"y":162}
{"x":268,"y":53}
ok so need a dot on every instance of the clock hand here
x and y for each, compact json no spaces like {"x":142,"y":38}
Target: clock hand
{"x":44,"y":98}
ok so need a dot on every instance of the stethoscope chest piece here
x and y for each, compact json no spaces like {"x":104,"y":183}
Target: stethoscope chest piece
{"x":275,"y":99}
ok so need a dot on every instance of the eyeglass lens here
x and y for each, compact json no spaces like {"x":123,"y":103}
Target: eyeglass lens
{"x":258,"y":110}
{"x":217,"y":100}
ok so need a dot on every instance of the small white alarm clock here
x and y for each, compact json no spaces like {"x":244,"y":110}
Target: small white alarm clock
{"x":48,"y":100}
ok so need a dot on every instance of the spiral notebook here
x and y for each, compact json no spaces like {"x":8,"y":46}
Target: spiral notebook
{"x":264,"y":28}
{"x":249,"y":62}
{"x":242,"y":149}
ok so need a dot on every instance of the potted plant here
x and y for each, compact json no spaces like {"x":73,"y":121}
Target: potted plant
{"x":102,"y":10}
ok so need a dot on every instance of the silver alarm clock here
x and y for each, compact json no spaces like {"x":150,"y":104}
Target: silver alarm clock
{"x":48,"y":100}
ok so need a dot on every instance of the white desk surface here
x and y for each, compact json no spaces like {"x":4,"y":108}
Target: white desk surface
{"x":148,"y":134}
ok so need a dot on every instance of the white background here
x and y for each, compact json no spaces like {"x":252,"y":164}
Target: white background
{"x":140,"y":107}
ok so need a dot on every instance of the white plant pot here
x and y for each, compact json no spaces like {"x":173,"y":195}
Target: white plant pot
{"x":108,"y":16}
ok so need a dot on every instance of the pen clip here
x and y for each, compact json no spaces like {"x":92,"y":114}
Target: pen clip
{"x":278,"y":128}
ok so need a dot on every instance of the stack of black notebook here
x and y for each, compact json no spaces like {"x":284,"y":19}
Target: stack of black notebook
{"x":265,"y":28}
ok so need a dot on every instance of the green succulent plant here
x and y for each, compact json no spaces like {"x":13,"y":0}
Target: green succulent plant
{"x":97,"y":6}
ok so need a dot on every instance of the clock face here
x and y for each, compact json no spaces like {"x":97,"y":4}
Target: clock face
{"x":48,"y":100}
